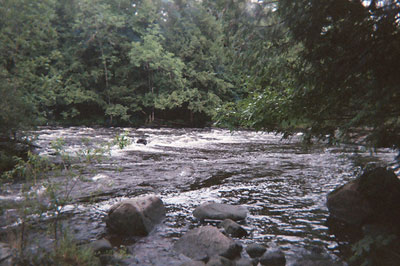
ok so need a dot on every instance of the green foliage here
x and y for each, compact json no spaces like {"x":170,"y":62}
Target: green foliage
{"x":67,"y":252}
{"x":32,"y":169}
{"x":348,"y":83}
{"x":27,"y":39}
{"x":163,"y":69}
{"x":96,"y":60}
{"x":90,"y":153}
{"x":118,"y":111}
{"x":122,"y":140}
{"x":301,"y":71}
{"x":196,"y":36}
{"x":265,"y":55}
{"x":369,"y":250}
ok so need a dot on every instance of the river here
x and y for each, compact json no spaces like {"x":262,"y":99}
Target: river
{"x":282,"y":183}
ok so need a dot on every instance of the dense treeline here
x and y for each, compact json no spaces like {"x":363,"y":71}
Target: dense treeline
{"x":329,"y":68}
{"x":324,"y":67}
{"x":111,"y":62}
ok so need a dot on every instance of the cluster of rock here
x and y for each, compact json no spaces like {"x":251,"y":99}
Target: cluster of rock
{"x":205,"y":245}
{"x":368,"y":204}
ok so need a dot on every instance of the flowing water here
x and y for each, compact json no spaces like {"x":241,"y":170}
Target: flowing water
{"x":282,"y":183}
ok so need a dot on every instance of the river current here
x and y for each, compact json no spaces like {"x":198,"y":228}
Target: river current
{"x":283,"y":184}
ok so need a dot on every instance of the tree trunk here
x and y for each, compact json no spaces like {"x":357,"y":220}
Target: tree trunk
{"x":191,"y":117}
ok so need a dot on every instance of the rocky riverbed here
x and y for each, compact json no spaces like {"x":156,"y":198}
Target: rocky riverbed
{"x":282,"y":184}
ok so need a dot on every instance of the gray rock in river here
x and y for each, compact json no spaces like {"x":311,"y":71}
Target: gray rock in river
{"x":136,"y":217}
{"x":233,"y":229}
{"x":220,"y":261}
{"x":205,"y":242}
{"x":255,"y":250}
{"x":5,"y":254}
{"x":142,"y":141}
{"x":273,"y":258}
{"x":193,"y":263}
{"x":244,"y":262}
{"x":219,"y":211}
{"x":100,"y":246}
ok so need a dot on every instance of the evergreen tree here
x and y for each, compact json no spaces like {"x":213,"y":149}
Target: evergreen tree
{"x":352,"y":51}
{"x":28,"y":45}
{"x":195,"y":34}
{"x":163,"y":69}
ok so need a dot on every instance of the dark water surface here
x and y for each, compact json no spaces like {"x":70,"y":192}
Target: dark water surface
{"x":282,"y":183}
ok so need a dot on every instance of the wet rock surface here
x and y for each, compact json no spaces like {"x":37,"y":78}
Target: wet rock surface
{"x":137,"y":216}
{"x":205,"y":242}
{"x":155,"y":250}
{"x":244,"y":262}
{"x":5,"y":254}
{"x":219,"y":211}
{"x":220,"y":261}
{"x":193,"y":263}
{"x":233,"y":229}
{"x":273,"y":258}
{"x":100,"y":246}
{"x":255,"y":250}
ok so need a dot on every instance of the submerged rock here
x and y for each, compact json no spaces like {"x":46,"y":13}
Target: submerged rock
{"x":142,"y":141}
{"x":155,"y":249}
{"x":100,"y":246}
{"x":205,"y":242}
{"x":219,"y":211}
{"x":193,"y":263}
{"x":317,"y":256}
{"x":220,"y":261}
{"x":244,"y":262}
{"x":273,"y":258}
{"x":5,"y":254}
{"x":136,"y":217}
{"x":255,"y":250}
{"x":233,"y":229}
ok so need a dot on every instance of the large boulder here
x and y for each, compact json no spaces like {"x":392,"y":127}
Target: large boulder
{"x":136,"y":217}
{"x":371,"y":198}
{"x":205,"y":242}
{"x":381,"y":188}
{"x":220,"y":211}
{"x":347,"y":204}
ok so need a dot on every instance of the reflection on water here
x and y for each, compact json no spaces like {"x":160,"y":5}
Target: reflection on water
{"x":282,"y":183}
